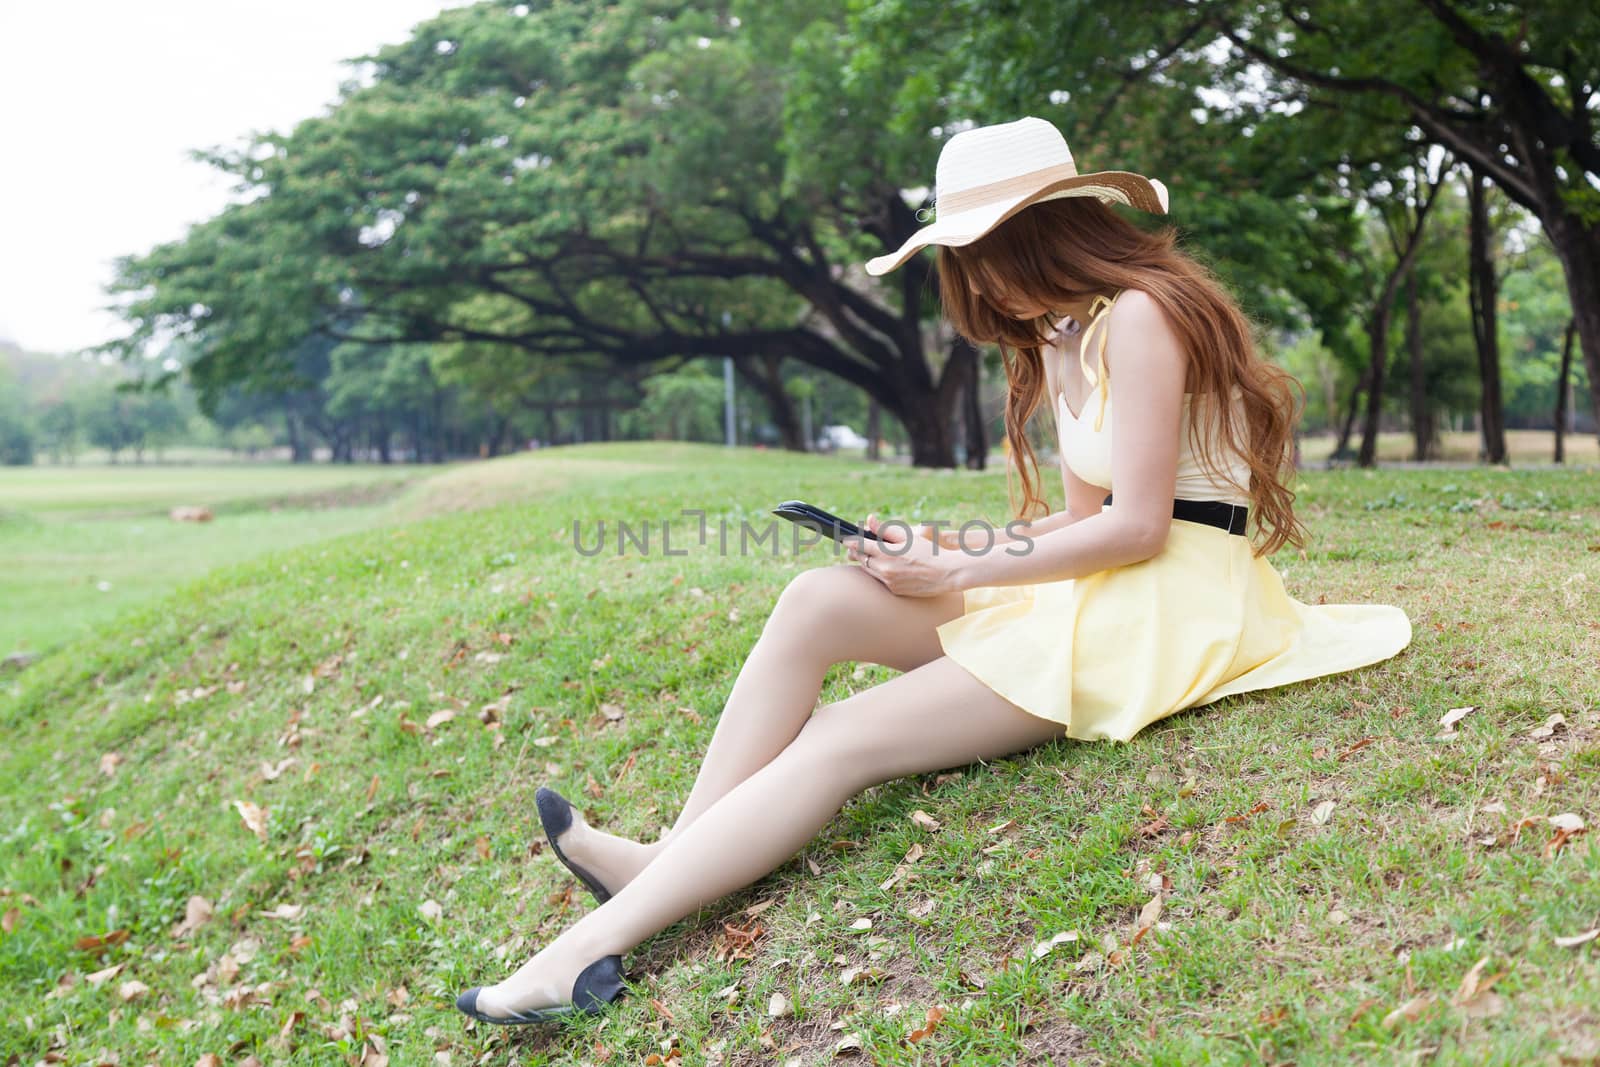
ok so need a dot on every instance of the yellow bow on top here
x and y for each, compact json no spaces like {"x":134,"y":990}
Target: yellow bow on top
{"x":1099,"y":309}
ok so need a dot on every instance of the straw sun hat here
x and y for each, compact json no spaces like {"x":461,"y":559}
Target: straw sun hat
{"x":989,"y":173}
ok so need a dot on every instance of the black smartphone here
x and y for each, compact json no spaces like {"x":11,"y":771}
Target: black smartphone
{"x":814,"y":518}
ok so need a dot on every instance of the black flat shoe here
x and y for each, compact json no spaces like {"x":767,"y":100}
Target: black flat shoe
{"x":598,"y":984}
{"x":556,"y":816}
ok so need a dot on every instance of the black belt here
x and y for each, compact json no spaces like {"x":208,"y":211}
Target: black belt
{"x":1218,"y":513}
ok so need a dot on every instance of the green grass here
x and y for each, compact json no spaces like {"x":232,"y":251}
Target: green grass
{"x":1291,"y":939}
{"x":83,"y":544}
{"x":130,"y":490}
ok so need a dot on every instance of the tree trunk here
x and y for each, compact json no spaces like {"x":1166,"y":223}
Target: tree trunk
{"x":874,"y":428}
{"x":1563,"y":387}
{"x":1341,"y":447}
{"x":1578,"y":247}
{"x":439,"y":429}
{"x":299,"y":450}
{"x":764,"y":374}
{"x":927,"y":425}
{"x":1483,"y":292}
{"x":1422,"y":430}
{"x":1378,"y":325}
{"x":1378,"y":345}
{"x":972,"y":417}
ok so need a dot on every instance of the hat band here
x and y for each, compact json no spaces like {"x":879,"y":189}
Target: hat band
{"x":1005,"y":189}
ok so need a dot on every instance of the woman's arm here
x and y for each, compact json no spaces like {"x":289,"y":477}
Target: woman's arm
{"x":1149,"y":370}
{"x":978,"y":537}
{"x":1083,"y":500}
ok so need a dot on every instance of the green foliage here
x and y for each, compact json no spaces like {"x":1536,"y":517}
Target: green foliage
{"x":681,"y":405}
{"x":547,"y":194}
{"x":16,"y":423}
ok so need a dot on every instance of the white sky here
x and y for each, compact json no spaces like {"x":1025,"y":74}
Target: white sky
{"x":100,"y":102}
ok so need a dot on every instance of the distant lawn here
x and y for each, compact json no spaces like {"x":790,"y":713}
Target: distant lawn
{"x":82,"y":543}
{"x":128,"y":489}
{"x":1536,"y":447}
{"x":1331,"y":867}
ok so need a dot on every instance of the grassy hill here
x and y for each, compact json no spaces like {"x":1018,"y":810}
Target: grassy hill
{"x":1334,"y":865}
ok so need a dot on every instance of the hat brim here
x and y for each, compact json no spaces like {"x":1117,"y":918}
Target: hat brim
{"x":964,"y":227}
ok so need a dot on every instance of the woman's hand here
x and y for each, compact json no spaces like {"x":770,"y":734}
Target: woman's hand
{"x":907,"y":566}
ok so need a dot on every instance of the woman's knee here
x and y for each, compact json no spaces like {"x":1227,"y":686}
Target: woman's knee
{"x":815,"y":596}
{"x":845,"y":743}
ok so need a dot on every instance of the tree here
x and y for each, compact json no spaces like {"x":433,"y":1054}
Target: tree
{"x":1507,"y":88}
{"x":681,"y":405}
{"x":1403,"y":225}
{"x":16,"y":425}
{"x":565,"y":180}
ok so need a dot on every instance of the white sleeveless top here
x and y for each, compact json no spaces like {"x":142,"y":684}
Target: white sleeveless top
{"x":1085,"y":439}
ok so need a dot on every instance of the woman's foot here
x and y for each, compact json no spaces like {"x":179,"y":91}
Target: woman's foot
{"x":603,"y":862}
{"x":546,"y":981}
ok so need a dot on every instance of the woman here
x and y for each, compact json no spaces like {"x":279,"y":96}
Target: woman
{"x":1089,"y":623}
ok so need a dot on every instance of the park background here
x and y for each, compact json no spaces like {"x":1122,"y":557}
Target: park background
{"x":504,"y":285}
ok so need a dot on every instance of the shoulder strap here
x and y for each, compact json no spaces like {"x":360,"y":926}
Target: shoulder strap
{"x":1099,"y":313}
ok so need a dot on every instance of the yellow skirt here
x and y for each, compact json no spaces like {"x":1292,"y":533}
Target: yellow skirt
{"x":1109,"y":653}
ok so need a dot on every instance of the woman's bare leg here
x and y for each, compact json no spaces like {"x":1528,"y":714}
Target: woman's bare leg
{"x":825,"y":615}
{"x":933,"y":717}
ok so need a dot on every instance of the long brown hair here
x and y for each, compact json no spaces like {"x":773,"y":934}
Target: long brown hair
{"x":1059,"y":251}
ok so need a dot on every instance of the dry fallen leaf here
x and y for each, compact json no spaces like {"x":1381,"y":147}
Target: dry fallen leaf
{"x":132,"y":990}
{"x":255,"y":817}
{"x":1455,"y":715}
{"x":924,"y":820}
{"x":851,"y":975}
{"x":1260,"y":806}
{"x":431,"y":910}
{"x":1411,"y":1010}
{"x":438,"y":718}
{"x":1473,"y":996}
{"x":1044,"y":948}
{"x":195,"y":915}
{"x":930,"y":1021}
{"x":1322,"y":812}
{"x":1150,"y":913}
{"x":1549,"y":728}
{"x":1578,"y":939}
{"x":108,"y":763}
{"x":273,"y":771}
{"x":1356,"y":747}
{"x":287,"y":912}
{"x":779,"y":1006}
{"x":98,"y":943}
{"x":100,"y":978}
